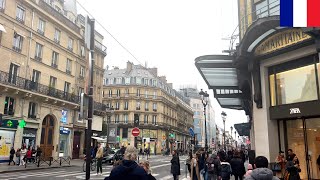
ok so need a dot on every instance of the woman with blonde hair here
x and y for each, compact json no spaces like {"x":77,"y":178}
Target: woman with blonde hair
{"x":195,"y":174}
{"x":146,"y":166}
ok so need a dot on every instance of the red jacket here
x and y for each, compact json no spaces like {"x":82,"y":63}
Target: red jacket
{"x":29,"y":154}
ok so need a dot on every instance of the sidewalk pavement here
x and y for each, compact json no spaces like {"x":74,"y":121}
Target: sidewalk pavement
{"x":5,"y":168}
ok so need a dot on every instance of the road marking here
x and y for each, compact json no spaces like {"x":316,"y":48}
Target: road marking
{"x":167,"y":177}
{"x":160,"y":165}
{"x":11,"y":175}
{"x":37,"y":174}
{"x":154,"y":175}
{"x":71,"y":174}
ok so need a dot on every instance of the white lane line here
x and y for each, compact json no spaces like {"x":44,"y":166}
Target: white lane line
{"x":154,"y":175}
{"x":51,"y":174}
{"x":153,"y":167}
{"x":37,"y":174}
{"x":11,"y":175}
{"x":167,"y":177}
{"x":65,"y":175}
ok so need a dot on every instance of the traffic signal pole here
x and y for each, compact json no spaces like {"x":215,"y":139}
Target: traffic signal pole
{"x":90,"y":106}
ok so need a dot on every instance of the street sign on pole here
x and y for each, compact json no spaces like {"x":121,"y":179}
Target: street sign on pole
{"x":191,"y":132}
{"x":135,"y":132}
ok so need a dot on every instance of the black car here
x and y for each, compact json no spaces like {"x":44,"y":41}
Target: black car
{"x":112,"y":156}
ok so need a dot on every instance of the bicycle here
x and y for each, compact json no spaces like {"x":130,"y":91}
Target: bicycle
{"x":93,"y":164}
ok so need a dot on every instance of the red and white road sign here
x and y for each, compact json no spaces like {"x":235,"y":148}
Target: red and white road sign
{"x":135,"y":132}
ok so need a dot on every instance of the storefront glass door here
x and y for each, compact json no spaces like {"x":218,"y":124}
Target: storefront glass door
{"x":296,"y":142}
{"x":313,"y":142}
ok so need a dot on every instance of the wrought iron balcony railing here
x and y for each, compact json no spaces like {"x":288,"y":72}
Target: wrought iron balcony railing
{"x":22,"y":83}
{"x":100,"y":47}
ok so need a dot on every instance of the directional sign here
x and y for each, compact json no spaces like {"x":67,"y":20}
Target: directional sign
{"x":135,"y":132}
{"x":191,"y":132}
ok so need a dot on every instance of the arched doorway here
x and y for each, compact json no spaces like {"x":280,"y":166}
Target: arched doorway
{"x":47,"y":131}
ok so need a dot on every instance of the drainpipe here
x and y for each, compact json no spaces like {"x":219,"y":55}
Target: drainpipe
{"x":30,"y":41}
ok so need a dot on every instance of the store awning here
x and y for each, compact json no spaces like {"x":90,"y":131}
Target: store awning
{"x":243,"y":129}
{"x":99,"y":139}
{"x":220,"y":75}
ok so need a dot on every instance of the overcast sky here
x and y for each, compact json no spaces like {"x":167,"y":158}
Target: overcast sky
{"x":169,"y":35}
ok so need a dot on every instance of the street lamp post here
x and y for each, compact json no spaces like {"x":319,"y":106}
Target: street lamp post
{"x":231,"y":141}
{"x":205,"y":99}
{"x":224,"y":117}
{"x":235,"y":137}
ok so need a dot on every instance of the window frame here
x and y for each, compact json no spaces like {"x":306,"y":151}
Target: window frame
{"x":32,"y":110}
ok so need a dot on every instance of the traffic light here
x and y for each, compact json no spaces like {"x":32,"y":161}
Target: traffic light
{"x":136,"y":120}
{"x":84,"y":103}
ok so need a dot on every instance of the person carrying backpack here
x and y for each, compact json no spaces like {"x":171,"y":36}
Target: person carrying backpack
{"x":214,"y":167}
{"x":225,"y":170}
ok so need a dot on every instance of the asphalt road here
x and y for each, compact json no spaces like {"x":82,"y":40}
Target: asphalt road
{"x":160,"y":169}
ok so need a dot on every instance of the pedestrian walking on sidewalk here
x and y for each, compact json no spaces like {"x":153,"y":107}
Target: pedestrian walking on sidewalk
{"x":188,"y":162}
{"x":261,"y":172}
{"x":195,"y":173}
{"x":214,"y":167}
{"x":175,"y":165}
{"x":237,"y":166}
{"x":12,"y":152}
{"x":225,"y":170}
{"x":146,"y":166}
{"x":23,"y":155}
{"x":99,"y":156}
{"x":39,"y":152}
{"x":18,"y":156}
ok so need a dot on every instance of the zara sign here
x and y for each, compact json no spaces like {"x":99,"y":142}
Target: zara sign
{"x":295,"y":111}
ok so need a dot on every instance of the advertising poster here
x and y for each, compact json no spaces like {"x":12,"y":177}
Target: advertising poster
{"x":6,"y":142}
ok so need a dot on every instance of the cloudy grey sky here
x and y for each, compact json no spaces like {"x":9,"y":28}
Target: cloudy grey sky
{"x":167,"y":34}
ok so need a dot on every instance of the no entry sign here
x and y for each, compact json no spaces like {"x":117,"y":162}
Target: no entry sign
{"x":135,"y":132}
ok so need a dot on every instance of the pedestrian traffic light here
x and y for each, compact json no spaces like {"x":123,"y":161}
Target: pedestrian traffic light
{"x":136,"y":120}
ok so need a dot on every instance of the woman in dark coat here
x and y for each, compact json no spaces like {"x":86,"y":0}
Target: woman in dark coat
{"x":293,"y":171}
{"x":237,"y":166}
{"x":175,"y":165}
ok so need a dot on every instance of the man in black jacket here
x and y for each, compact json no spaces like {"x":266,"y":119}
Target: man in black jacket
{"x":175,"y":165}
{"x":214,"y":167}
{"x":237,"y":166}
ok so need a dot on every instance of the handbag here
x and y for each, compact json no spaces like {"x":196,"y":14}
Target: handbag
{"x":276,"y":167}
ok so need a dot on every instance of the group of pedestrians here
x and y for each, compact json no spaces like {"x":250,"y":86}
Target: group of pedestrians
{"x":24,"y":155}
{"x":287,"y":168}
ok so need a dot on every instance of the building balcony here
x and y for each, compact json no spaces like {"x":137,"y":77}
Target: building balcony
{"x":37,"y":58}
{"x":30,"y":88}
{"x":101,"y":47}
{"x":40,"y":32}
{"x":20,"y":20}
{"x":54,"y":65}
{"x":17,"y":49}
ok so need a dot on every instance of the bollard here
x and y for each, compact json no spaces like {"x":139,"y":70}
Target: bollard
{"x":50,"y":161}
{"x":39,"y":161}
{"x":60,"y":160}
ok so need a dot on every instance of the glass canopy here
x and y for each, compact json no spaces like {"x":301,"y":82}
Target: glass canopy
{"x":220,"y":75}
{"x":243,"y":129}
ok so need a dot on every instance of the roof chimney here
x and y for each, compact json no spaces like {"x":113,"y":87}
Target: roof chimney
{"x":129,"y":66}
{"x":163,"y":79}
{"x":154,"y":71}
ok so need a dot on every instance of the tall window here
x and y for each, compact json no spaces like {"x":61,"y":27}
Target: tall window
{"x":17,"y":42}
{"x":125,"y":118}
{"x":116,"y":118}
{"x":36,"y":76}
{"x":147,"y":106}
{"x":126,"y":105}
{"x":124,"y":133}
{"x":20,"y":14}
{"x":38,"y":55}
{"x":154,"y":106}
{"x":146,"y":119}
{"x":154,"y":94}
{"x":110,"y":93}
{"x":70,"y":44}
{"x":82,"y":71}
{"x":146,"y":94}
{"x":146,"y":82}
{"x":154,"y":119}
{"x":41,"y":26}
{"x":81,"y":90}
{"x":55,"y":57}
{"x":68,"y":66}
{"x":2,"y":4}
{"x":13,"y":73}
{"x":119,"y":80}
{"x":154,"y":82}
{"x":117,"y":105}
{"x":138,"y":80}
{"x":82,"y":52}
{"x":138,"y":105}
{"x":32,"y":110}
{"x":57,"y":35}
{"x":127,"y":92}
{"x":118,"y":92}
{"x":66,"y":88}
{"x":53,"y":82}
{"x":138,"y":92}
{"x":9,"y":106}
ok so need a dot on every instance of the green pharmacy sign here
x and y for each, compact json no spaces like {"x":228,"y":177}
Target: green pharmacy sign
{"x":22,"y":123}
{"x":8,"y":123}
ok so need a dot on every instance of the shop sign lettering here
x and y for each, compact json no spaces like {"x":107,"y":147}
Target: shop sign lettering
{"x":29,"y":135}
{"x":295,"y":111}
{"x":281,"y":40}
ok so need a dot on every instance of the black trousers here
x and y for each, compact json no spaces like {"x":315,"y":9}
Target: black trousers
{"x":175,"y":177}
{"x":11,"y":160}
{"x":99,"y":165}
{"x":238,"y":176}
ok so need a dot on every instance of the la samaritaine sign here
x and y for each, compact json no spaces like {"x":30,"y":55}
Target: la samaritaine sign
{"x":281,"y":40}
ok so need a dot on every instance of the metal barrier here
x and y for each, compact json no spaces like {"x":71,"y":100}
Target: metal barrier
{"x":38,"y":161}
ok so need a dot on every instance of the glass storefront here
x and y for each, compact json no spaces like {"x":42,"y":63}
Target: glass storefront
{"x":294,"y":82}
{"x":303,"y":135}
{"x":29,"y":137}
{"x":64,"y":142}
